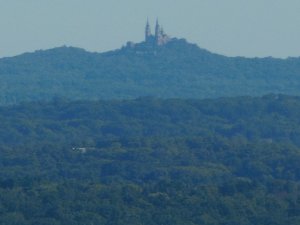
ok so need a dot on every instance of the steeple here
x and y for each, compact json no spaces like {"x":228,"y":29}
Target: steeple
{"x":147,"y":31}
{"x":157,"y":29}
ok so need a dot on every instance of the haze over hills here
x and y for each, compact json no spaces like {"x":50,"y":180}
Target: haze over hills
{"x":165,"y":68}
{"x":151,"y":160}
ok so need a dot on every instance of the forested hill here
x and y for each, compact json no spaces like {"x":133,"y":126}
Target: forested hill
{"x":229,"y":161}
{"x":178,"y":69}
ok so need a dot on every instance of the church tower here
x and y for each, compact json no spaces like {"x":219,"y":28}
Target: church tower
{"x":147,"y":32}
{"x":157,"y":30}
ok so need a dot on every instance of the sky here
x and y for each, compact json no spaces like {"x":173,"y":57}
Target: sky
{"x":251,"y":28}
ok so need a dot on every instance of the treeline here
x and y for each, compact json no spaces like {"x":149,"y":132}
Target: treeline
{"x":150,"y":161}
{"x":176,"y":70}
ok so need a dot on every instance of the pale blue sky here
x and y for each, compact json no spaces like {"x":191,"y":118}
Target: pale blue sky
{"x":230,"y":27}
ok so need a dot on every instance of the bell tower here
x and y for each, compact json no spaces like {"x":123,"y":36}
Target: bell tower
{"x":157,"y":29}
{"x":147,"y":31}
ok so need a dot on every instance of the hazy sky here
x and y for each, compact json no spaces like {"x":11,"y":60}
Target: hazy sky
{"x":230,"y":27}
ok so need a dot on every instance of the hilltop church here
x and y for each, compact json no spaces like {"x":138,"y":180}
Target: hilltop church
{"x":159,"y":38}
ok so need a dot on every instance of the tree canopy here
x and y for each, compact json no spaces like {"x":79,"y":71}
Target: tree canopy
{"x":151,"y":161}
{"x":176,"y":70}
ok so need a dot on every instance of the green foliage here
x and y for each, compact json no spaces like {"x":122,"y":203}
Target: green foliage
{"x":175,"y":70}
{"x":230,"y":161}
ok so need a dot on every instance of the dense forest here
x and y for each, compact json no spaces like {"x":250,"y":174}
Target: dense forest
{"x":176,"y":70}
{"x":227,"y":161}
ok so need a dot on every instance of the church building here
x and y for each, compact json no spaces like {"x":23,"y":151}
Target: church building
{"x":159,"y":38}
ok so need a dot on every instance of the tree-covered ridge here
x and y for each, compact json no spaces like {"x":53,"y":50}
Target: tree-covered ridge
{"x":175,"y":70}
{"x":151,"y":161}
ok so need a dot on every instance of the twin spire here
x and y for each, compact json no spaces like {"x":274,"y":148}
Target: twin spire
{"x":160,"y":38}
{"x":148,"y":30}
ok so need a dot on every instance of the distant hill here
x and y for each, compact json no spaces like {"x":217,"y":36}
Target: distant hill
{"x":177,"y":69}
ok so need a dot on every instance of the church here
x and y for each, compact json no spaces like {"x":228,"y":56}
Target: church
{"x":159,"y":38}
